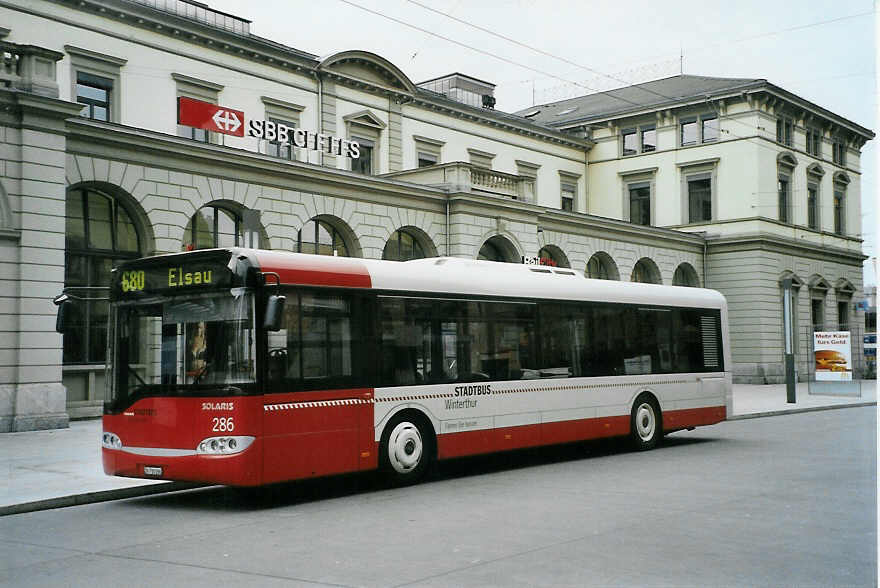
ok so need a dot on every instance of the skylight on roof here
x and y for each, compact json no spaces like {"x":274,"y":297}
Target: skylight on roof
{"x":566,"y":111}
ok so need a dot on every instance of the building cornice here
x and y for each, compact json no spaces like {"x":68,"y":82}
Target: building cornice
{"x":610,"y":228}
{"x":784,"y":245}
{"x":865,"y":133}
{"x":145,"y":17}
{"x":772,"y":221}
{"x":738,"y":93}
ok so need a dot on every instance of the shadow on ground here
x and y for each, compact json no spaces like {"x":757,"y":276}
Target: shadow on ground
{"x":288,"y":494}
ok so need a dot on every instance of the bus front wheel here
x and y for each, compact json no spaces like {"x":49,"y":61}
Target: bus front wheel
{"x":646,"y":423}
{"x":407,"y":448}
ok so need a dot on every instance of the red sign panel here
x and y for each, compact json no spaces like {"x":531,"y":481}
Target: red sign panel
{"x":204,"y":115}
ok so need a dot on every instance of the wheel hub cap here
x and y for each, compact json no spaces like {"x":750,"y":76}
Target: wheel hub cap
{"x":405,"y":447}
{"x":645,"y":422}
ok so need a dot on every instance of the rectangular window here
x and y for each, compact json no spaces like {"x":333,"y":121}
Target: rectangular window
{"x":817,"y":314}
{"x":278,"y":149}
{"x":364,"y":163}
{"x":814,"y":142}
{"x":843,"y":315}
{"x":689,"y":132}
{"x":784,"y":131}
{"x":200,"y":135}
{"x":567,"y":196}
{"x":839,"y":196}
{"x":813,"y":206}
{"x":640,"y":204}
{"x":94,"y":93}
{"x":838,"y":154}
{"x":784,"y":200}
{"x":427,"y":159}
{"x":649,"y":140}
{"x":630,"y":145}
{"x":710,"y":128}
{"x":699,"y":200}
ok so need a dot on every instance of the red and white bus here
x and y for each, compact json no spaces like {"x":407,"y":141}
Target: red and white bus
{"x":248,"y":367}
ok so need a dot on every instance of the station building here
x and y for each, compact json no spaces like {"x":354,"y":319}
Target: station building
{"x":732,"y":184}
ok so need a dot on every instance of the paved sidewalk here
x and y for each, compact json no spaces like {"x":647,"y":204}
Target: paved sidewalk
{"x":50,"y":469}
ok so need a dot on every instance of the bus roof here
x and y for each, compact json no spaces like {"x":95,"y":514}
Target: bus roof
{"x":473,"y":277}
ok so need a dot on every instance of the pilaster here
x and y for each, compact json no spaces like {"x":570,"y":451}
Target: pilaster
{"x":34,"y":151}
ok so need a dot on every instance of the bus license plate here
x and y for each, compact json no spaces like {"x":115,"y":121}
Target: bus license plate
{"x":152,"y":471}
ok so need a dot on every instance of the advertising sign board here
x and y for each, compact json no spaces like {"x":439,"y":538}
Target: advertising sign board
{"x":833,"y":356}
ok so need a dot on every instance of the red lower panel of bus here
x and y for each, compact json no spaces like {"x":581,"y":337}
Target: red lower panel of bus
{"x":676,"y":420}
{"x":489,"y":441}
{"x":296,"y":441}
{"x":242,"y":469}
{"x":309,"y":434}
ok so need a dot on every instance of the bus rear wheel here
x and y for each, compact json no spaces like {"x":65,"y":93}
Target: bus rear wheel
{"x":406,"y":449}
{"x":646,"y":423}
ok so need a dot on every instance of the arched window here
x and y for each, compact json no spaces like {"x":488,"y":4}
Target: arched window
{"x":99,"y":234}
{"x":214,"y":225}
{"x":685,"y":275}
{"x":321,"y":238}
{"x":555,"y":255}
{"x":497,"y":249}
{"x":602,"y":267}
{"x":646,"y":272}
{"x":403,"y":246}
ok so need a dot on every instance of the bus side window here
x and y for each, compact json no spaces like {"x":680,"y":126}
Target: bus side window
{"x":605,"y":346}
{"x":409,"y":342}
{"x":562,"y":337}
{"x":687,"y":351}
{"x":319,"y":345}
{"x":513,"y":328}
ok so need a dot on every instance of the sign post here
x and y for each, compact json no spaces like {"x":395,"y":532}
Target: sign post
{"x":790,"y":386}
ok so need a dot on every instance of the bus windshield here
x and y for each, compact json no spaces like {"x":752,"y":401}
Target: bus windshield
{"x":182,"y":345}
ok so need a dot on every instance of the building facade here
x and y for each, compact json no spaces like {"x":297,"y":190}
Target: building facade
{"x":95,"y":168}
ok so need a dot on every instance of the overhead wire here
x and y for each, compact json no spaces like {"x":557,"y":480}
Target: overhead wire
{"x":477,"y":49}
{"x":609,"y":76}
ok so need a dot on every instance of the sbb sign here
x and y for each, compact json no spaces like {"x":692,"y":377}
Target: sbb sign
{"x":280,"y":133}
{"x":211,"y":117}
{"x":220,"y":119}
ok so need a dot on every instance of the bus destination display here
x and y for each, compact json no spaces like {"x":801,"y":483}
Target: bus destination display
{"x":205,"y":274}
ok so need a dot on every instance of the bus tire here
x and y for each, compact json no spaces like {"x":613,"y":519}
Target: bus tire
{"x":407,"y":448}
{"x":646,"y":423}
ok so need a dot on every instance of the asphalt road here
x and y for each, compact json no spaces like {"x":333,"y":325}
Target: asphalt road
{"x":786,"y":500}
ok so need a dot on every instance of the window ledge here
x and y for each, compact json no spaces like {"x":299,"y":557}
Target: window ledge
{"x":708,"y":161}
{"x":633,"y":172}
{"x":82,"y":368}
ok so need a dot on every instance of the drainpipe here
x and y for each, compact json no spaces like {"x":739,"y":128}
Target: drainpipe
{"x":586,"y":176}
{"x":447,"y":225}
{"x":705,"y":262}
{"x":320,"y":115}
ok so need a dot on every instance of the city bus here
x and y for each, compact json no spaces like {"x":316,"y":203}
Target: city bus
{"x":248,"y":367}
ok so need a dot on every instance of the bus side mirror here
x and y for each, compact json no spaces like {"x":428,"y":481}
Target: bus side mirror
{"x":274,"y":313}
{"x":63,"y":303}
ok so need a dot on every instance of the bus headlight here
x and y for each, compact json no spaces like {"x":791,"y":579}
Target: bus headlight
{"x":224,"y":445}
{"x":111,"y":440}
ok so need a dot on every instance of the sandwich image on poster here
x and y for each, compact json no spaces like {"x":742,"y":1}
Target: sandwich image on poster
{"x":833,"y":356}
